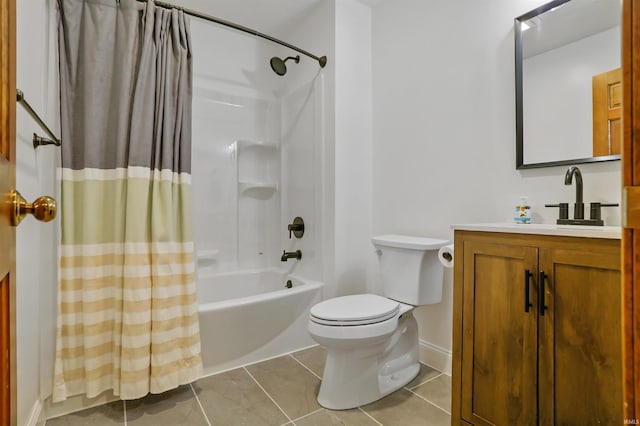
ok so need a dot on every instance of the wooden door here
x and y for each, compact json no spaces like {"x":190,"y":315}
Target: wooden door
{"x":607,"y":113}
{"x":7,"y":233}
{"x":580,"y":337}
{"x":498,"y":383}
{"x":631,"y":206}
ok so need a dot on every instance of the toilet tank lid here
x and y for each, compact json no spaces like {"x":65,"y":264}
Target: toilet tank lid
{"x":408,"y":242}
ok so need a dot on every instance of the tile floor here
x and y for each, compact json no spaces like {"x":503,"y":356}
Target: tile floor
{"x":280,"y":391}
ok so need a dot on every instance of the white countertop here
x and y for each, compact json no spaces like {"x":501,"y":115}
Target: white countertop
{"x":610,"y":232}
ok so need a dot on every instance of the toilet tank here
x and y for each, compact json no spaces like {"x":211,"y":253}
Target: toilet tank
{"x":409,"y":267}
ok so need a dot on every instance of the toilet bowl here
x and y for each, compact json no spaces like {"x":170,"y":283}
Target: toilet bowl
{"x":372,"y":340}
{"x":369,"y":359}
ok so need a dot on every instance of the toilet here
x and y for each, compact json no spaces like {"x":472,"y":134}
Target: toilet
{"x":371,"y":340}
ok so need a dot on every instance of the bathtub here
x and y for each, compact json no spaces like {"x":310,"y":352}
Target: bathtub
{"x":250,"y":316}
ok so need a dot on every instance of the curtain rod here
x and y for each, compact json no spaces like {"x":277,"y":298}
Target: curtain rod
{"x":322,"y":61}
{"x":37,"y":140}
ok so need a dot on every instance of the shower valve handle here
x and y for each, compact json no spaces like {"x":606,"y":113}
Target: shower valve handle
{"x":297,"y":227}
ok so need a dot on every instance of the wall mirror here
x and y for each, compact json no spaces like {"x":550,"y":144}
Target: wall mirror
{"x":568,"y":83}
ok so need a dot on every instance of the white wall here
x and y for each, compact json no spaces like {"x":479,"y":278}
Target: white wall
{"x":36,"y":175}
{"x":354,"y":255}
{"x":444,"y":130}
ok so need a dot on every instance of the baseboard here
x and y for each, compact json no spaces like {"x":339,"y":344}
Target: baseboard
{"x":34,"y":417}
{"x":436,"y":357}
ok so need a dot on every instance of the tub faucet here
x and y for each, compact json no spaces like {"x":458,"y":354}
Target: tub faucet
{"x":286,"y":255}
{"x":578,"y":207}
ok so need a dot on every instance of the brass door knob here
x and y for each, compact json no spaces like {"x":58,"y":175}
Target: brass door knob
{"x":43,"y":208}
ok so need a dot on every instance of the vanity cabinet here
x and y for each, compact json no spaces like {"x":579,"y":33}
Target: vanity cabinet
{"x":537,"y":330}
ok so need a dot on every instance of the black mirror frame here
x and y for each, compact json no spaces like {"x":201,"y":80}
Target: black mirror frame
{"x":519,"y":98}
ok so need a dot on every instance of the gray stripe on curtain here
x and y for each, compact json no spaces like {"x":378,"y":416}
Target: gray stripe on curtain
{"x":125,"y":79}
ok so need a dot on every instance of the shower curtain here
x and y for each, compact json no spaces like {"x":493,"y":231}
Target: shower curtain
{"x":127,"y":314}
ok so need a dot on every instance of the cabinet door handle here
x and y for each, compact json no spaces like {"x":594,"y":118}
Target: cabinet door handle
{"x":542,"y":306}
{"x":527,"y":300}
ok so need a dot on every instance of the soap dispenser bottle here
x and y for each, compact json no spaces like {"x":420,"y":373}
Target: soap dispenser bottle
{"x":523,"y":211}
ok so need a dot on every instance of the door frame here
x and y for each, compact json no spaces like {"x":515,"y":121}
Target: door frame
{"x":631,"y":207}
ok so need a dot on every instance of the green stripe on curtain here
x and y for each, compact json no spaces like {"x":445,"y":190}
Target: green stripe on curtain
{"x":111,"y":211}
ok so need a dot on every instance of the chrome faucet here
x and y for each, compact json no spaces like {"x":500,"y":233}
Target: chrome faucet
{"x":286,"y":255}
{"x":578,"y":207}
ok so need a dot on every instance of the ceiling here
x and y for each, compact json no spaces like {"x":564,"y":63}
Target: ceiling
{"x":266,"y":16}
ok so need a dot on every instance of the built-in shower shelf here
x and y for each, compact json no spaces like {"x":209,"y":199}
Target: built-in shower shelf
{"x":262,"y":190}
{"x":206,"y":257}
{"x":207,"y":254}
{"x":257,"y":144}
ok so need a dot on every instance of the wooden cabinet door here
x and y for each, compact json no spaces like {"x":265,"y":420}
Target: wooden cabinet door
{"x":499,"y":337}
{"x":580,"y":342}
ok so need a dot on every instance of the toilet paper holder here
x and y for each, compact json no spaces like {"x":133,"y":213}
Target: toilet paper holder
{"x":445,"y":256}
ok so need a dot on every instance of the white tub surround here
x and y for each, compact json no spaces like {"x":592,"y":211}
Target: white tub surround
{"x":609,"y":232}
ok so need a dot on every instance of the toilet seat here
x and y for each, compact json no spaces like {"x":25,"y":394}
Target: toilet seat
{"x":359,"y":309}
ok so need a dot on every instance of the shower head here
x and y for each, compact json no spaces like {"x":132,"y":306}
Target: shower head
{"x":278,"y":65}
